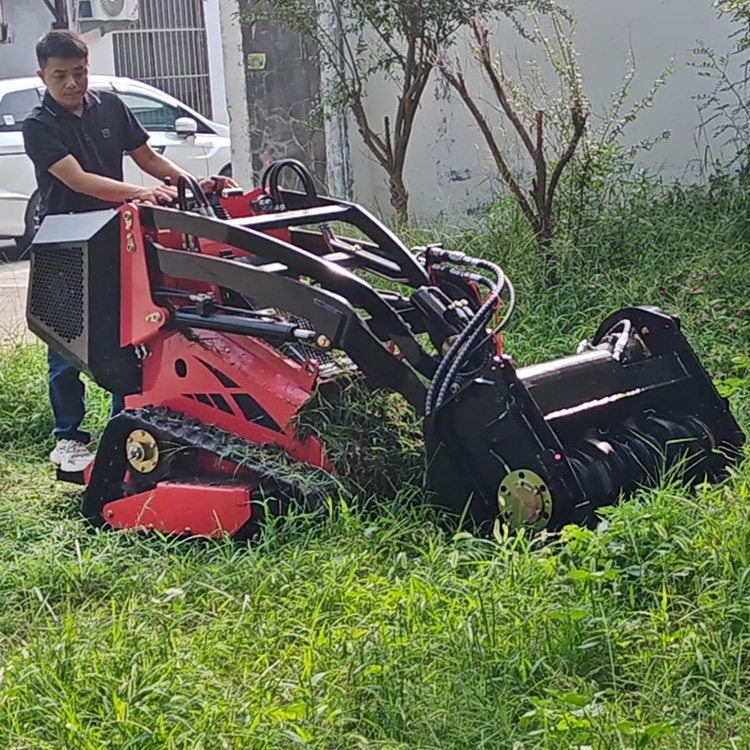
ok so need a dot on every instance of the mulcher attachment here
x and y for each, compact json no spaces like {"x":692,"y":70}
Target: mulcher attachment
{"x":219,"y":320}
{"x":546,"y":445}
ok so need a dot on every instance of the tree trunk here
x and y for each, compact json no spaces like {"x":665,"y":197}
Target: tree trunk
{"x":399,"y":196}
{"x":544,"y":236}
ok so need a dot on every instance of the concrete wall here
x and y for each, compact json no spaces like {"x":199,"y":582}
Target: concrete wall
{"x":449,"y":171}
{"x":272,"y":88}
{"x":28,"y":21}
{"x":283,"y":89}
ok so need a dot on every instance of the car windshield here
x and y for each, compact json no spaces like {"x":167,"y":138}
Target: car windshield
{"x":152,"y":114}
{"x":15,"y":107}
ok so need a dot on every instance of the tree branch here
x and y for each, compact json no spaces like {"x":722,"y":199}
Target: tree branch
{"x":388,"y":141}
{"x":372,"y":140}
{"x":579,"y":118}
{"x":459,"y":84}
{"x":416,"y":74}
{"x":376,"y":25}
{"x":485,"y":57}
{"x":541,"y":164}
{"x":408,"y":113}
{"x":344,"y":36}
{"x":407,"y":86}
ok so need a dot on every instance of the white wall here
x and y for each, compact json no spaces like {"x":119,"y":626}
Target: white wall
{"x":101,"y":53}
{"x":448,"y":168}
{"x":212,"y":14}
{"x":235,"y":70}
{"x":28,"y":21}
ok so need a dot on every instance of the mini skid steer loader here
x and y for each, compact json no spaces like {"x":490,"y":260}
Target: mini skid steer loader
{"x":219,"y":317}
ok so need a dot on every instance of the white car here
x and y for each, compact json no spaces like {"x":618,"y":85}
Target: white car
{"x":192,"y":141}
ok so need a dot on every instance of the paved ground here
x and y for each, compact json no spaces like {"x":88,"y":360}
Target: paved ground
{"x":13,"y":280}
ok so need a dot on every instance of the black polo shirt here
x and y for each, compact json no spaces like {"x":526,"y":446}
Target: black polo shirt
{"x":97,"y":139}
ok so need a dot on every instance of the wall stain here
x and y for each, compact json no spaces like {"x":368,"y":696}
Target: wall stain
{"x":459,"y":175}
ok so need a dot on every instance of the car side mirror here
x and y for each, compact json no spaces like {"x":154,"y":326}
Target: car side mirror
{"x":185,"y":126}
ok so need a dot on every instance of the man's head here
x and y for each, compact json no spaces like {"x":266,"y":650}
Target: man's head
{"x":64,"y":66}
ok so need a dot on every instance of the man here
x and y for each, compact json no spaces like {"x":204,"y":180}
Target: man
{"x":77,"y":140}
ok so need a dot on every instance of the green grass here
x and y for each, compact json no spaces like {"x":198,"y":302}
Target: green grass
{"x":385,"y":631}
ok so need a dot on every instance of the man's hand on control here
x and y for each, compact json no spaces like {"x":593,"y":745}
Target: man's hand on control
{"x":158,"y":194}
{"x":209,"y":184}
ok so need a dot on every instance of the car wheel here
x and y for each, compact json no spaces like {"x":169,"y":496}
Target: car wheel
{"x":31,"y":219}
{"x":226,"y":171}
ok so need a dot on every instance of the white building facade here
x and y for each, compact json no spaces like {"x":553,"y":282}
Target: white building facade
{"x":191,"y":27}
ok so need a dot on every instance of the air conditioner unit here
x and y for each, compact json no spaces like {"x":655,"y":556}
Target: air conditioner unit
{"x":108,"y":11}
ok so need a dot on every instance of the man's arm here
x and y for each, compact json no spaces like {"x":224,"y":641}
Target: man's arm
{"x":160,"y":167}
{"x":69,"y":171}
{"x":155,"y":164}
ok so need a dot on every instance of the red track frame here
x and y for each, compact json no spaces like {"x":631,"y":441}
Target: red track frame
{"x":237,"y":383}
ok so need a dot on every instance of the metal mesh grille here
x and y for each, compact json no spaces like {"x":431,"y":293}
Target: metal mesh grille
{"x":57,"y":292}
{"x":331,"y":363}
{"x":305,"y":352}
{"x":168,"y":50}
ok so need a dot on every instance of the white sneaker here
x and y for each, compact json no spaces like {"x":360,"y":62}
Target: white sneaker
{"x":71,"y":456}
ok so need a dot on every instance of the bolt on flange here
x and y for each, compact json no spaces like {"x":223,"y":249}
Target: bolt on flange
{"x":524,"y":500}
{"x":142,"y":451}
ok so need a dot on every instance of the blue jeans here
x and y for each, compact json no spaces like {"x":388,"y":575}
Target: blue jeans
{"x":66,"y":393}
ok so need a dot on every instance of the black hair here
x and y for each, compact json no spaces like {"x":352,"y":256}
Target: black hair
{"x":61,"y":43}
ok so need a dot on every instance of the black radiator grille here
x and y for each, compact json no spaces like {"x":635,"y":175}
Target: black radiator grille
{"x":57,"y":291}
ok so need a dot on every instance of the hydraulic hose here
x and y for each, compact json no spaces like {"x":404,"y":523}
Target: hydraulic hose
{"x":452,"y":361}
{"x":457,"y":354}
{"x":188,"y":181}
{"x":270,"y":179}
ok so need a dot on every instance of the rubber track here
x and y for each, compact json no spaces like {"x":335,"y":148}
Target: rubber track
{"x":298,"y":480}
